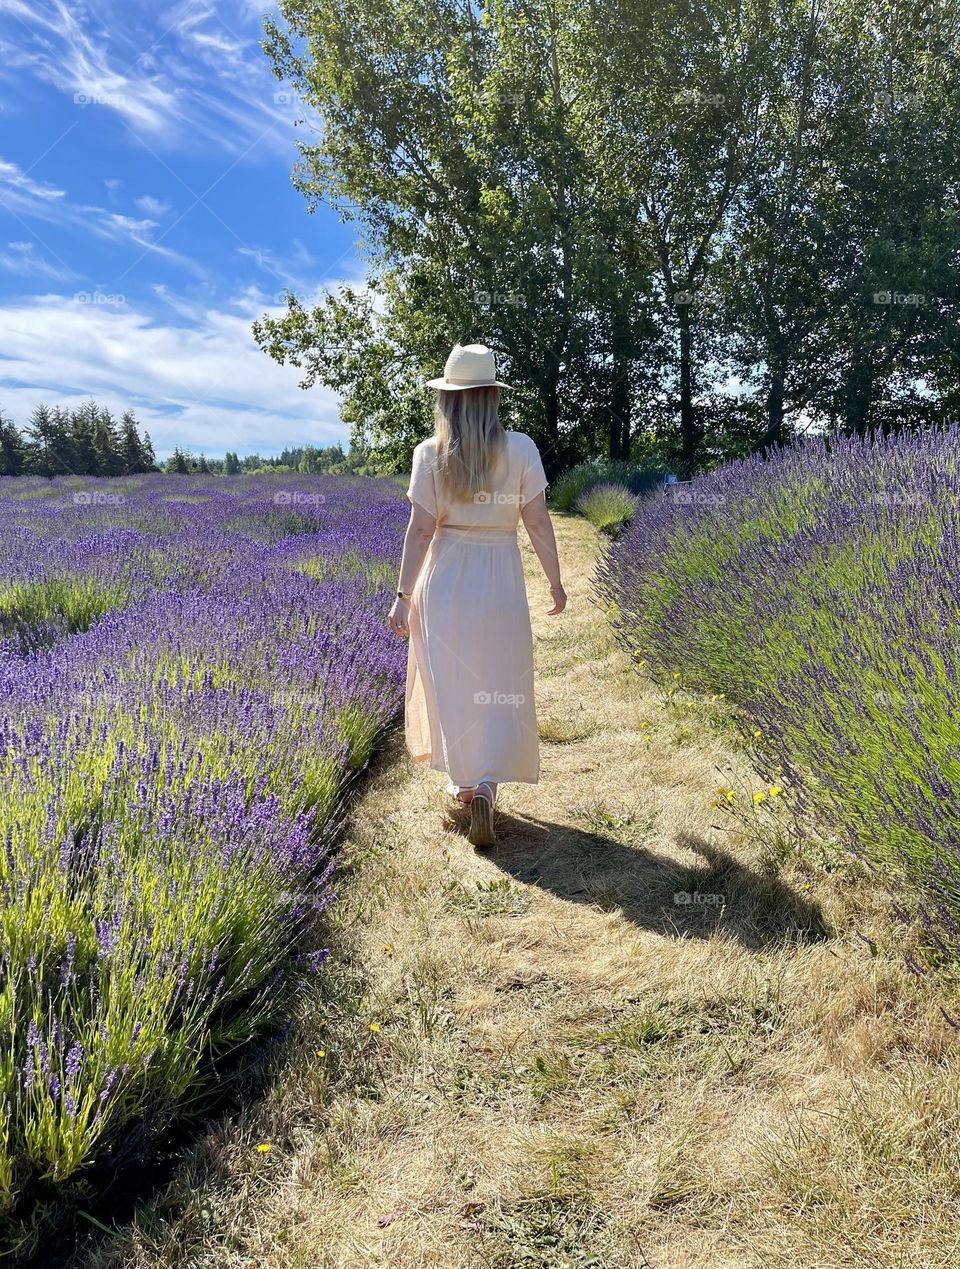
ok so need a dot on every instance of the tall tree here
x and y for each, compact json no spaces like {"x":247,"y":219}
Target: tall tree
{"x":453,"y":131}
{"x":131,"y":450}
{"x":106,"y":445}
{"x":12,"y":450}
{"x":636,"y":201}
{"x":48,"y":442}
{"x":149,"y":457}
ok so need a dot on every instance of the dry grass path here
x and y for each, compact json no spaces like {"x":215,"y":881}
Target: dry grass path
{"x":542,"y":1057}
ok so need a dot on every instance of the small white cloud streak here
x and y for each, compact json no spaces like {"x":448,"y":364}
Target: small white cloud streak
{"x":25,"y":259}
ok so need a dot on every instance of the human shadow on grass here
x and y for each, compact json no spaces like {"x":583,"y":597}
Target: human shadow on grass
{"x":654,"y":891}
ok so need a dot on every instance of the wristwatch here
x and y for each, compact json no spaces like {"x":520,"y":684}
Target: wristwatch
{"x":404,"y":594}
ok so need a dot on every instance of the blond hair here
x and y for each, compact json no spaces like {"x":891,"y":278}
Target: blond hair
{"x":470,"y":440}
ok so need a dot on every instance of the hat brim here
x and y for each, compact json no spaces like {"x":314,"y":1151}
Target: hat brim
{"x":459,"y":387}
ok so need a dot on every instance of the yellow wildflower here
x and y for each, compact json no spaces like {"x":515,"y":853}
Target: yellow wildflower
{"x":775,"y":790}
{"x":758,"y":733}
{"x":321,"y":1053}
{"x":374,"y":1026}
{"x":758,"y":798}
{"x":264,"y":1147}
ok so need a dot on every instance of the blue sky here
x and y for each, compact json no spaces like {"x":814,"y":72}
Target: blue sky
{"x":147,"y":217}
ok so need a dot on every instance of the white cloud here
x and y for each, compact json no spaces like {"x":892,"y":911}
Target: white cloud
{"x":15,"y":181}
{"x":23,"y":257}
{"x":151,"y":206}
{"x":30,"y":199}
{"x":191,"y":74}
{"x":113,"y":225}
{"x":202,"y":384}
{"x":288,"y":271}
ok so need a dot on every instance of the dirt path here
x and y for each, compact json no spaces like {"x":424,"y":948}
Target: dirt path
{"x":638,"y":1031}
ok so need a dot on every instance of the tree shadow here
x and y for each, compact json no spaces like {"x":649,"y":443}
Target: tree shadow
{"x":654,"y":891}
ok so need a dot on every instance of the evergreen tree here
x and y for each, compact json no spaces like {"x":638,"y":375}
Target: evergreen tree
{"x":149,"y":457}
{"x":203,"y":466}
{"x":12,"y":451}
{"x":177,"y":463}
{"x":48,"y":442}
{"x":231,"y":464}
{"x":107,"y":445}
{"x":132,"y":457}
{"x":84,"y":427}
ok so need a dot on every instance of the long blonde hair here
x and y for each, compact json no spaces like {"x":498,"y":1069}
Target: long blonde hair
{"x":470,"y":440}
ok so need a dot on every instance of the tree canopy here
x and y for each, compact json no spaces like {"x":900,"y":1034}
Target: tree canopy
{"x":85,"y":441}
{"x":698,"y":228}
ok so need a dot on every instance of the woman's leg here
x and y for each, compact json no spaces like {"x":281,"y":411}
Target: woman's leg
{"x":491,"y":785}
{"x":462,"y":792}
{"x":465,"y":792}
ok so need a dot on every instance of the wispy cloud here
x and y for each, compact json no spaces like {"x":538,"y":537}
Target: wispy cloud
{"x":190,"y":74}
{"x":30,"y":200}
{"x":24,"y":258}
{"x":287,"y":270}
{"x":15,"y":181}
{"x":151,"y":206}
{"x":200,"y":382}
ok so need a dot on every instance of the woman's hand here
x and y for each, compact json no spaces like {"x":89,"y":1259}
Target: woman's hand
{"x":559,"y":596}
{"x":398,"y":617}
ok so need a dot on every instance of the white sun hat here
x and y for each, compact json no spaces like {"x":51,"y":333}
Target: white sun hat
{"x":469,"y":366}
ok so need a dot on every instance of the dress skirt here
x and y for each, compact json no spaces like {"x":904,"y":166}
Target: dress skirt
{"x":470,"y":707}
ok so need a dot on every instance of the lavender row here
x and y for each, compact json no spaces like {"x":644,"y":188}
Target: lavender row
{"x":190,"y":677}
{"x":819,"y":590}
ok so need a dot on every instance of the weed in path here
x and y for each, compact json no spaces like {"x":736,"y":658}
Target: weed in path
{"x":499,"y":897}
{"x":544,"y":1233}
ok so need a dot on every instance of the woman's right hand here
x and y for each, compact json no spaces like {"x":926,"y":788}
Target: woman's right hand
{"x":559,"y":596}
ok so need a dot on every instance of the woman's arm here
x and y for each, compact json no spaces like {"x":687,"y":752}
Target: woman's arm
{"x":539,"y":527}
{"x":416,"y":543}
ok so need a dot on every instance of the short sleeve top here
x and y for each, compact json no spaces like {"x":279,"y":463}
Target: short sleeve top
{"x":516,"y":480}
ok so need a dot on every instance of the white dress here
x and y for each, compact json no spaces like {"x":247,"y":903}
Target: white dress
{"x":470,"y":708}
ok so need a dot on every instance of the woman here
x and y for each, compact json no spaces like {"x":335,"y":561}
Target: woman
{"x":461,"y":599}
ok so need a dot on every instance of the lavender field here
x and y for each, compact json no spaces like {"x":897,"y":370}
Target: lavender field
{"x":819,"y":590}
{"x":191,"y":674}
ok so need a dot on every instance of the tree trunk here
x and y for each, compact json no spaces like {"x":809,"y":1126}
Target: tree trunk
{"x":860,"y":385}
{"x":690,"y":435}
{"x":619,"y":430}
{"x":775,"y":400}
{"x":551,"y":426}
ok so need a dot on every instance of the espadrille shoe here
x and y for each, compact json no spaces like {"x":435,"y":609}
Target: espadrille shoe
{"x":481,"y":817}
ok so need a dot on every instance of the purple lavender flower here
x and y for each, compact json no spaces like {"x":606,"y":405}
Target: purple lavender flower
{"x":208,"y":678}
{"x":74,"y":1057}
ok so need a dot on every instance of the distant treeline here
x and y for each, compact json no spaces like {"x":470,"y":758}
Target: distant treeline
{"x":89,"y":441}
{"x":83,"y":442}
{"x":306,"y":459}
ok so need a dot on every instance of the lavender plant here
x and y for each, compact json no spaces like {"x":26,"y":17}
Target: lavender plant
{"x":190,"y":677}
{"x":819,"y":590}
{"x":608,"y":506}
